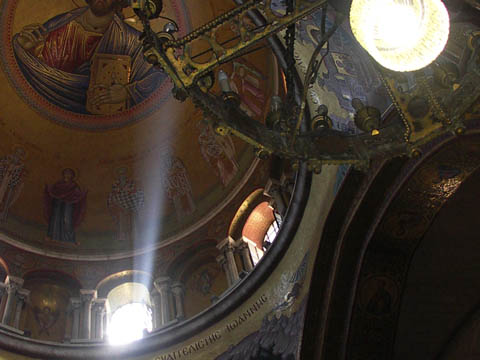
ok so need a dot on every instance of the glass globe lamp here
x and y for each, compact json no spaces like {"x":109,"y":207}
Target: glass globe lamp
{"x":401,"y":35}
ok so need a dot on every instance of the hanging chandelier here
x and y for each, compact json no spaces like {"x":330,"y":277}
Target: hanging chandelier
{"x":419,"y":116}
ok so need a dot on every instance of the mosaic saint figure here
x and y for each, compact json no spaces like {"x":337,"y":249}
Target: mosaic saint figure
{"x":203,"y":282}
{"x":12,"y":174}
{"x":219,"y":152}
{"x":124,"y":202}
{"x":87,"y":60}
{"x":46,"y":319}
{"x":245,"y":81}
{"x":381,"y":301}
{"x":65,"y":204}
{"x":177,"y":186}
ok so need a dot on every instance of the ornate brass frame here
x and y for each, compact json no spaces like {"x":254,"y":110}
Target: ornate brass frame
{"x":397,"y":137}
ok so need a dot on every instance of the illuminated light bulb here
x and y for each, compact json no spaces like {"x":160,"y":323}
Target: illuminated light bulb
{"x":401,"y":35}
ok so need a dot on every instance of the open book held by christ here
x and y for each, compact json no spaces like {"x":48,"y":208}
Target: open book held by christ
{"x":107,"y":70}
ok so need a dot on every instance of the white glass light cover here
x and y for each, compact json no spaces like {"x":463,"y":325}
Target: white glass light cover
{"x":402,"y":35}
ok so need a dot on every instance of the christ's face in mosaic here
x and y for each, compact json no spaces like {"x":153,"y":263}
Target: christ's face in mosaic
{"x":102,"y":7}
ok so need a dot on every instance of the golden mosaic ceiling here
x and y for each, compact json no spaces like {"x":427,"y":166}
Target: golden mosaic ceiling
{"x":96,"y":156}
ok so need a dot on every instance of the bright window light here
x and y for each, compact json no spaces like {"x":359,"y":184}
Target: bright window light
{"x":128,"y":323}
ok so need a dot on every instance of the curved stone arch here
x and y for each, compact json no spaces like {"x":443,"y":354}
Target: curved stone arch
{"x":53,"y":275}
{"x":176,"y":269}
{"x":186,"y":272}
{"x":203,"y":259}
{"x":248,"y":205}
{"x":396,"y":238}
{"x":356,"y":250}
{"x":4,"y":270}
{"x":112,"y":281}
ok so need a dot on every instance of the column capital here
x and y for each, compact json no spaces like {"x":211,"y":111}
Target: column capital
{"x":227,"y":243}
{"x":241,"y":243}
{"x":162,"y":283}
{"x":13,"y":283}
{"x":154,"y":292}
{"x":221,"y":259}
{"x":88,"y":295}
{"x":14,"y":279}
{"x":178,"y":288}
{"x":75,"y":303}
{"x":23,"y":294}
{"x":99,"y":304}
{"x":244,"y":250}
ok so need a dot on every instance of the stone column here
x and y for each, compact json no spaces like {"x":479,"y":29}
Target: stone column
{"x":87,"y":297}
{"x":22,"y":298}
{"x":99,"y":311}
{"x":156,"y":309}
{"x":273,"y":189}
{"x":3,"y":295}
{"x":162,"y":284}
{"x":178,"y":291}
{"x":223,"y":263}
{"x":13,"y":284}
{"x":75,"y":305}
{"x":67,"y":336}
{"x":227,"y":248}
{"x":105,"y":322}
{"x":244,"y":251}
{"x":3,"y":290}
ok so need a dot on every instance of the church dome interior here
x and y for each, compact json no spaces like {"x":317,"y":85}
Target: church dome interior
{"x":237,"y":180}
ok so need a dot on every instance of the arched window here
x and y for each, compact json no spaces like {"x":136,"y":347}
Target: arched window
{"x":272,"y":230}
{"x":130,"y":313}
{"x":260,"y":230}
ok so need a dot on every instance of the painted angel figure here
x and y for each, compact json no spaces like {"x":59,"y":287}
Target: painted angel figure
{"x":219,"y":152}
{"x":124,"y":202}
{"x":177,"y":186}
{"x":12,"y":174}
{"x":46,"y":319}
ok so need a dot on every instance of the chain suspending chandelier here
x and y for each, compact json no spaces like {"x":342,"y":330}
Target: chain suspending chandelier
{"x":438,"y":103}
